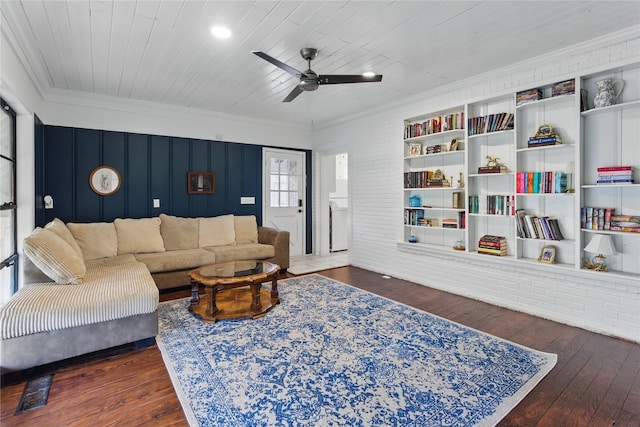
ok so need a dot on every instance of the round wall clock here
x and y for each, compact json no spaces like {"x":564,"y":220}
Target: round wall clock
{"x":105,"y":180}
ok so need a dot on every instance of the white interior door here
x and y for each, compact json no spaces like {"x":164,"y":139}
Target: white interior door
{"x":284,"y":195}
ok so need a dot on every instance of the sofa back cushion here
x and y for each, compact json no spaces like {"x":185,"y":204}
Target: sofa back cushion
{"x":96,"y":239}
{"x":138,"y":236}
{"x":217,"y":231}
{"x":246,"y":228}
{"x":55,"y":257}
{"x":179,"y":233}
{"x":61,"y":230}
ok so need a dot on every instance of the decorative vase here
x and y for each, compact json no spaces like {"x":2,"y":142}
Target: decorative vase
{"x":412,"y":239}
{"x":606,"y":92}
{"x":414,"y":201}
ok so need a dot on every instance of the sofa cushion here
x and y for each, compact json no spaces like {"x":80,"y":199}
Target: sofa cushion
{"x":242,"y":252}
{"x":136,"y":236}
{"x":54,"y":257}
{"x":179,"y":233}
{"x":217,"y":231}
{"x":96,"y":239}
{"x":176,"y":260}
{"x":246,"y":228}
{"x":108,"y":293}
{"x":111,"y":261}
{"x":62,"y":231}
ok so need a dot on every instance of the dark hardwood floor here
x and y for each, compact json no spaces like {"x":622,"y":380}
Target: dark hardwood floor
{"x":596,"y":381}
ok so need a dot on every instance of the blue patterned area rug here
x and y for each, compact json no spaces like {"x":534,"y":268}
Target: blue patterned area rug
{"x":334,"y":355}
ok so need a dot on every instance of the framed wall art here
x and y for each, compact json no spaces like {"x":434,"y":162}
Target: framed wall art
{"x":105,"y":180}
{"x":201,"y":183}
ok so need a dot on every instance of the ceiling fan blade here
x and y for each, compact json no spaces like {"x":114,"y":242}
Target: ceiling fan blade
{"x":277,"y":63}
{"x":347,"y":78}
{"x":293,"y":95}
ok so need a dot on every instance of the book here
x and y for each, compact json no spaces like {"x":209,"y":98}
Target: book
{"x":628,"y":172}
{"x":614,"y":168}
{"x":491,"y":169}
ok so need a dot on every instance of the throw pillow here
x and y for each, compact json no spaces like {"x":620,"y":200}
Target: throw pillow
{"x":246,"y":228}
{"x":179,"y":233}
{"x":61,"y":230}
{"x":96,"y":239}
{"x":217,"y":231}
{"x":55,"y":257}
{"x":138,"y":236}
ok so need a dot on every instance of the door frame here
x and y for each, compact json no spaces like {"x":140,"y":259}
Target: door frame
{"x":303,"y":192}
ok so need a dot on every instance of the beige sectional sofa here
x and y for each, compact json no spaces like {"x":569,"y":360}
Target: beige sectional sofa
{"x":96,"y":285}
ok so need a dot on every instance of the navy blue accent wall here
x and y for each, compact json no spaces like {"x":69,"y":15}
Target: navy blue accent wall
{"x":150,"y":167}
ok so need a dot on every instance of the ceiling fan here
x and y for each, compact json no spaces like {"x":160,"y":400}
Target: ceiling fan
{"x":311,"y":81}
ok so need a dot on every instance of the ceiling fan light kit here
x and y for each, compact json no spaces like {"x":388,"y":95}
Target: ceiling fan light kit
{"x":309,"y":80}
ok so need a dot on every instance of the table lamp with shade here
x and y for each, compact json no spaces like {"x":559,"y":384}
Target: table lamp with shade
{"x":600,"y":244}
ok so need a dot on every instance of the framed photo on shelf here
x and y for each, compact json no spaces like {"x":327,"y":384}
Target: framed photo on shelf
{"x":201,"y":183}
{"x":547,"y":255}
{"x":415,"y":149}
{"x":453,"y":146}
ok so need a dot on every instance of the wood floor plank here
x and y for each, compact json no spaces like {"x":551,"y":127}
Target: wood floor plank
{"x":596,"y":381}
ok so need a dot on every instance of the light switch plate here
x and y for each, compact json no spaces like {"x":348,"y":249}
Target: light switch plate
{"x":156,"y":203}
{"x":247,"y":200}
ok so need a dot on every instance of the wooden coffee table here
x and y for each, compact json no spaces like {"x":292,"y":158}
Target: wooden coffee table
{"x":226,"y":294}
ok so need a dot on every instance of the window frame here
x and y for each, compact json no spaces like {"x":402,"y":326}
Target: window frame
{"x":13,"y":259}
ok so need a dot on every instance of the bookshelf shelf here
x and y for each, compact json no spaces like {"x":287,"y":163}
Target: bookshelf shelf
{"x":611,"y":108}
{"x":591,"y":139}
{"x":569,"y":98}
{"x":547,"y":147}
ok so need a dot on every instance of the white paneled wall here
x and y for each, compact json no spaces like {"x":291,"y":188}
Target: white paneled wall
{"x":374,"y":143}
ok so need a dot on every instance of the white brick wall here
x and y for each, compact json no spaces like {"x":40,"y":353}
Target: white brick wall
{"x":374,"y":144}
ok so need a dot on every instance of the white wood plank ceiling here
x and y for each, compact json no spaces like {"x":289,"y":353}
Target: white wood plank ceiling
{"x":162,"y":50}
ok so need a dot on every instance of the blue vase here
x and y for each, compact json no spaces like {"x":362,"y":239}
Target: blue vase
{"x":414,"y":202}
{"x":412,"y":239}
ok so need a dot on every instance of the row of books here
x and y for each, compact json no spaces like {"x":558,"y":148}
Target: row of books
{"x":423,"y":179}
{"x":492,"y":245}
{"x":492,"y":204}
{"x":605,"y":219}
{"x":435,"y":125}
{"x":490,"y":123}
{"x":544,"y":182}
{"x":533,"y":227}
{"x":416,"y":217}
{"x":615,"y":175}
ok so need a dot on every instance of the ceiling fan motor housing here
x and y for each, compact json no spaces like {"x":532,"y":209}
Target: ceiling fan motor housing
{"x":309,"y":81}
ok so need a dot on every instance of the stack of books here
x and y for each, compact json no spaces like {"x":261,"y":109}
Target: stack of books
{"x":533,"y":227}
{"x":450,"y":223}
{"x":627,"y":223}
{"x":492,"y":245}
{"x":492,"y":169}
{"x":567,"y":87}
{"x":615,"y":175}
{"x":544,"y":141}
{"x":434,"y":149}
{"x":528,"y":96}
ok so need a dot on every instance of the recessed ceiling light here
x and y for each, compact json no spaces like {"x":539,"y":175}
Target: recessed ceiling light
{"x":221,"y":32}
{"x":369,"y":74}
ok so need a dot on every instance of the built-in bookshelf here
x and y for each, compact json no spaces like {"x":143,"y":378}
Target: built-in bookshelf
{"x":434,"y":191}
{"x":524,"y":169}
{"x":610,"y":141}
